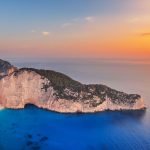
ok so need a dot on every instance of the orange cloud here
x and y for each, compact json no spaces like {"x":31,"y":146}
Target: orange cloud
{"x":145,"y":34}
{"x":45,"y":33}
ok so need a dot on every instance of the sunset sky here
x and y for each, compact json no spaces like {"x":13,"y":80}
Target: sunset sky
{"x":75,"y":28}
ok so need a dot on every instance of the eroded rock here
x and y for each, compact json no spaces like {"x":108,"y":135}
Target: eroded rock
{"x":57,"y":92}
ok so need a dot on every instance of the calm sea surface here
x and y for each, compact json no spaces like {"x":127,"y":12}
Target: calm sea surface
{"x":37,"y":129}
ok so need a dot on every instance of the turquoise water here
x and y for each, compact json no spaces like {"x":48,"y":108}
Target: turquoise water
{"x":37,"y":129}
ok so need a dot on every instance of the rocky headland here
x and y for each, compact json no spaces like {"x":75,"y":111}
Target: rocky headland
{"x":57,"y":92}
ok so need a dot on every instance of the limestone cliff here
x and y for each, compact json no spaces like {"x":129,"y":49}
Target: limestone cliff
{"x":57,"y":92}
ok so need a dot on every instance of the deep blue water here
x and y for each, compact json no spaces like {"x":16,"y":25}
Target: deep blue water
{"x":33,"y":128}
{"x":36,"y":129}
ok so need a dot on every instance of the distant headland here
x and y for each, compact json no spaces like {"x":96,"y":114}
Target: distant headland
{"x":57,"y":92}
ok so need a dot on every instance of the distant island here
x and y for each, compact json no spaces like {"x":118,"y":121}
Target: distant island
{"x":57,"y":92}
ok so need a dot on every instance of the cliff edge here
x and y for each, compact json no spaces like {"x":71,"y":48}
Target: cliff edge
{"x":57,"y":92}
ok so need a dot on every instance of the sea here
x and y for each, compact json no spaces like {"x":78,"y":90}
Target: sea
{"x":37,"y":129}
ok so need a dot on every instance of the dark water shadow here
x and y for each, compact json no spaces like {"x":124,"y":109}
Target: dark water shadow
{"x":137,"y":114}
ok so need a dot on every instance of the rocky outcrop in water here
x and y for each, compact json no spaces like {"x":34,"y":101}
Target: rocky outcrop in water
{"x":57,"y":92}
{"x":6,"y":68}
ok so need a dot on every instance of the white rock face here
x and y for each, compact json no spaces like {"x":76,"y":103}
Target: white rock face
{"x":66,"y":106}
{"x":27,"y":88}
